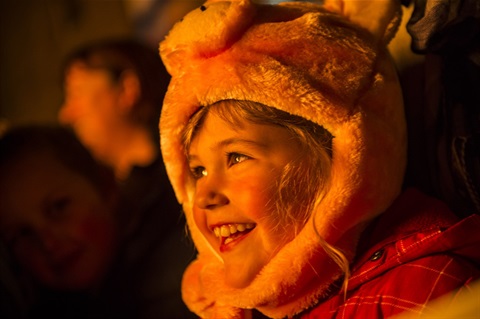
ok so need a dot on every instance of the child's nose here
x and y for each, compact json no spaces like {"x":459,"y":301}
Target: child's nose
{"x":209,"y":194}
{"x":50,"y":243}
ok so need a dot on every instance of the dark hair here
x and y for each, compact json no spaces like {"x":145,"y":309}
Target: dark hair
{"x":119,"y":55}
{"x":62,"y":143}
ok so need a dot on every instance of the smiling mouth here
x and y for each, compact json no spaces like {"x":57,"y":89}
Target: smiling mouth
{"x":230,"y":232}
{"x":67,"y":262}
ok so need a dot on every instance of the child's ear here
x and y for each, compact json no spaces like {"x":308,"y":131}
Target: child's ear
{"x":130,"y":90}
{"x":380,"y":17}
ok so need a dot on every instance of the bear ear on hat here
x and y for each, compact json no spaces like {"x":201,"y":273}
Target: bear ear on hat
{"x":381,"y":17}
{"x":206,"y":31}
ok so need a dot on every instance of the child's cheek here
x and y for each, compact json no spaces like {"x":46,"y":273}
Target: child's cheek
{"x":96,"y":230}
{"x":201,"y":221}
{"x":255,"y":200}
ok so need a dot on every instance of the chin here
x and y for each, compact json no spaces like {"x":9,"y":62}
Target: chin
{"x":75,"y":285}
{"x":237,"y":278}
{"x":78,"y":281}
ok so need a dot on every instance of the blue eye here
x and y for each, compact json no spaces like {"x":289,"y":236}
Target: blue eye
{"x":235,"y":158}
{"x":198,"y":172}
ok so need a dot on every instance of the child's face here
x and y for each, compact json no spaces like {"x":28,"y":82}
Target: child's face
{"x":237,"y":170}
{"x":59,"y":228}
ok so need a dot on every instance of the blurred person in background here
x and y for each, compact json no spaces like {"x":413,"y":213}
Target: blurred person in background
{"x":58,"y":223}
{"x":113,"y":96}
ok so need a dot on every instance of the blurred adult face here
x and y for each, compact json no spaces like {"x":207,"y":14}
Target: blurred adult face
{"x":91,"y":107}
{"x":58,"y":226}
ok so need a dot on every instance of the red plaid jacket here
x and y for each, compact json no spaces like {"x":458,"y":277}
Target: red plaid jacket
{"x":415,"y":252}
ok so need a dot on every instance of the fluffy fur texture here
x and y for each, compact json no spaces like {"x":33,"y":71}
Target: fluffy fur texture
{"x":329,"y":67}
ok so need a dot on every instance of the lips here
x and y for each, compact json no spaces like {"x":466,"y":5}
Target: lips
{"x":66,"y":262}
{"x":229,"y":233}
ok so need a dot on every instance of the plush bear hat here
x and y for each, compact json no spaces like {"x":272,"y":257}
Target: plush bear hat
{"x":328,"y":64}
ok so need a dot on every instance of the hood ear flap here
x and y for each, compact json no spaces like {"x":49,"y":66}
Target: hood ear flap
{"x":381,"y":17}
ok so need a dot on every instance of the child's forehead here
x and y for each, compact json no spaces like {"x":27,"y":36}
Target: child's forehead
{"x":216,"y":128}
{"x":24,"y":186}
{"x":34,"y":183}
{"x":221,"y":133}
{"x":33,"y":158}
{"x":33,"y":174}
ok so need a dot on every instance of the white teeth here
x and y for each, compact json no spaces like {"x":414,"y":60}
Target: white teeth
{"x":225,"y":231}
{"x":228,"y":230}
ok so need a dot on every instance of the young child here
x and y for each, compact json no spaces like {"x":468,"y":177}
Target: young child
{"x":284,"y":138}
{"x":57,"y":212}
{"x":61,"y":219}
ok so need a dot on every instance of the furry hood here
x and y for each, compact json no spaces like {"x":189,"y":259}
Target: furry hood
{"x":326,"y":63}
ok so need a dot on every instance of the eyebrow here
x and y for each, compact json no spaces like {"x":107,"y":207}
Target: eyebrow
{"x":235,"y":140}
{"x":230,"y":141}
